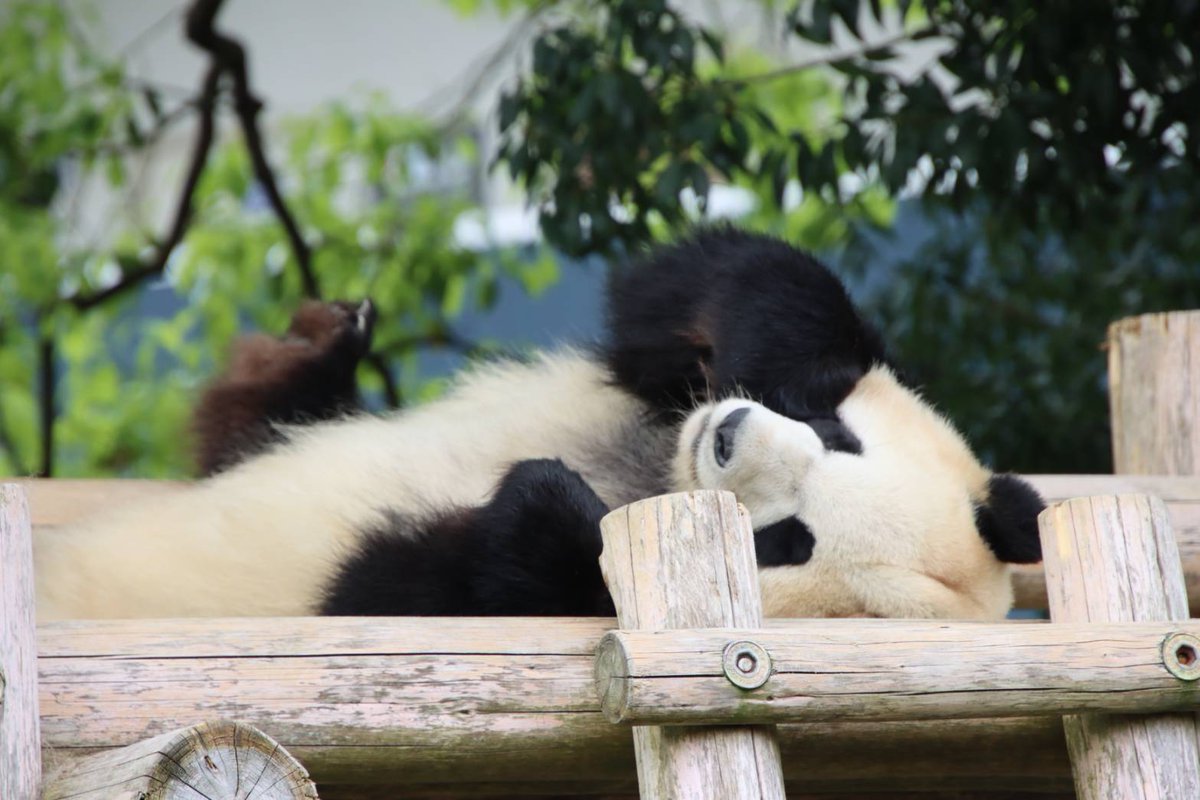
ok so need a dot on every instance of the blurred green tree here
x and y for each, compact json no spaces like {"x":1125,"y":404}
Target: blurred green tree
{"x":1053,"y":147}
{"x":1046,"y":152}
{"x":90,"y":384}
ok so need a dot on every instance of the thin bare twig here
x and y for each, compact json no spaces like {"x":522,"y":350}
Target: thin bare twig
{"x":828,"y":59}
{"x":7,"y":444}
{"x":231,"y":56}
{"x":206,"y":102}
{"x":391,"y":391}
{"x":47,"y":405}
{"x":151,"y":136}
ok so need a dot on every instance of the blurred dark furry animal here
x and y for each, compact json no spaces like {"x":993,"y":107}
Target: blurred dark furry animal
{"x":733,"y":361}
{"x":305,"y":376}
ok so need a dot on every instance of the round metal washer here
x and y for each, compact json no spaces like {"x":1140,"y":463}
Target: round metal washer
{"x":1181,"y":656}
{"x":747,"y":664}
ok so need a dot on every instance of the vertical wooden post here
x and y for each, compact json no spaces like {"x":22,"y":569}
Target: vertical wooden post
{"x":1154,"y":393}
{"x":687,"y":561}
{"x":1114,"y":559}
{"x":20,"y":739}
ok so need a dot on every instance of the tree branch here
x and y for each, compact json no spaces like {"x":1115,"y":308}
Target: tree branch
{"x":231,"y":56}
{"x":828,"y":59}
{"x":6,"y":443}
{"x":206,"y":102}
{"x":46,"y":405}
{"x":391,"y":392}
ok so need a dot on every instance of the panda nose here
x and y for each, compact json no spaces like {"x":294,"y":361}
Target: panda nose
{"x":726,"y":431}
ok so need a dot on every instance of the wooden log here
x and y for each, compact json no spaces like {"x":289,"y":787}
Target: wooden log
{"x":680,"y":561}
{"x":411,"y":706}
{"x":1181,"y":495}
{"x":882,"y":670}
{"x":61,"y":501}
{"x":1111,"y":559}
{"x":215,"y":760}
{"x":20,"y":754}
{"x":1154,"y":393}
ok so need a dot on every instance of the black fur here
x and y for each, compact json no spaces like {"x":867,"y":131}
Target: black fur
{"x":1008,"y":520}
{"x":788,"y":541}
{"x":835,"y":435}
{"x":720,"y":313}
{"x":725,"y":311}
{"x":532,"y":550}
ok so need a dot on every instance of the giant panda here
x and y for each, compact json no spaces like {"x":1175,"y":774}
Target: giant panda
{"x":732,"y":361}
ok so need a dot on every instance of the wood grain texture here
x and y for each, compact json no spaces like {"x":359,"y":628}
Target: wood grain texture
{"x":60,"y":501}
{"x":1182,"y":498}
{"x":881,"y":670}
{"x":683,"y":561}
{"x":1154,"y":393}
{"x":20,"y":754}
{"x":216,"y":760}
{"x":1111,"y":559}
{"x":412,"y":706}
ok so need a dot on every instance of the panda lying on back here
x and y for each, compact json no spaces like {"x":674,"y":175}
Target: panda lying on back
{"x":733,"y":361}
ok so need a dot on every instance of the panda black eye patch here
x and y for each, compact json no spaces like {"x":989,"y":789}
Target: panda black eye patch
{"x":835,"y":435}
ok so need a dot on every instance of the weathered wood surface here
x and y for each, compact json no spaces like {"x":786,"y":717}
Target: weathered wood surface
{"x":1181,"y":495}
{"x":20,"y":759}
{"x":876,"y":670}
{"x":1111,"y":559}
{"x":683,"y":561}
{"x":59,"y":501}
{"x":1154,"y":393}
{"x":410,"y":705}
{"x":216,"y":760}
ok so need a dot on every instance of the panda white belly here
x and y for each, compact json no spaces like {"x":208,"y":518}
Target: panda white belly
{"x":263,"y":538}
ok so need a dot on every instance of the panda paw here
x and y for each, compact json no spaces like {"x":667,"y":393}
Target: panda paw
{"x":540,"y":555}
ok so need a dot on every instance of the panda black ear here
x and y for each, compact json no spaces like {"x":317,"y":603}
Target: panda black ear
{"x":1007,"y":520}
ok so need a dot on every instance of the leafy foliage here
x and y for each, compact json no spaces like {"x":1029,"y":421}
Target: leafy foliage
{"x":377,"y":194}
{"x":1052,"y":146}
{"x":1048,"y":152}
{"x":614,"y":122}
{"x":60,"y":105}
{"x":375,"y":232}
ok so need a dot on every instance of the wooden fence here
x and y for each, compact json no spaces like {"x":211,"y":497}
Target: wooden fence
{"x":691,"y":696}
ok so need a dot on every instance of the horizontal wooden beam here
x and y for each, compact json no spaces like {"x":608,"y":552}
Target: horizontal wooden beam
{"x":61,"y":501}
{"x":888,"y":670}
{"x":408,"y":705}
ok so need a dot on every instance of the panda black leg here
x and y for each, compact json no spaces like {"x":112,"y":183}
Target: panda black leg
{"x":304,"y":376}
{"x":532,"y":550}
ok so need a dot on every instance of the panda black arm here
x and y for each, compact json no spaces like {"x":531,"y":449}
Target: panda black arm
{"x":724,"y":311}
{"x":304,"y":376}
{"x":532,"y":550}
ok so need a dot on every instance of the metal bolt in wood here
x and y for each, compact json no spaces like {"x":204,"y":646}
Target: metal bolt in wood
{"x":747,"y":665}
{"x":1181,"y":656}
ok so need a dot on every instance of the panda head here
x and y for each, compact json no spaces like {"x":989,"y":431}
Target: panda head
{"x":879,"y":510}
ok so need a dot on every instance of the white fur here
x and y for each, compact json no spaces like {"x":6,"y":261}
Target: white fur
{"x":894,"y":526}
{"x":262,"y":538}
